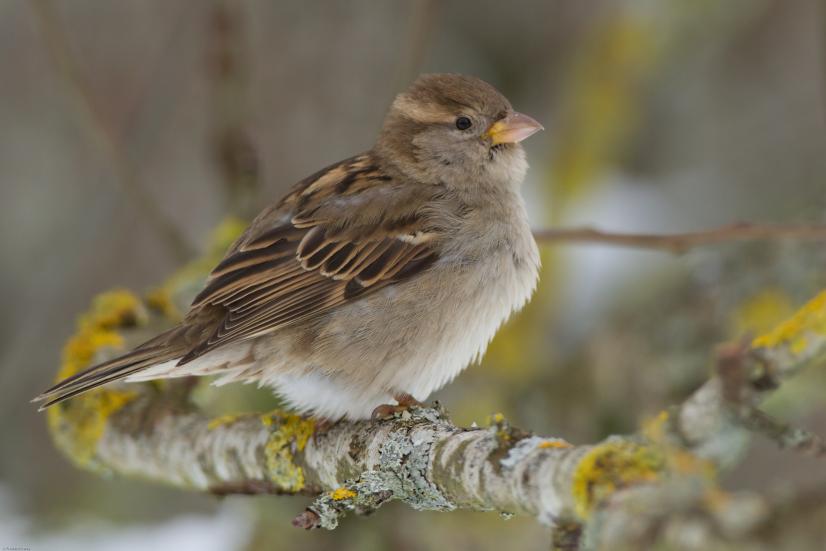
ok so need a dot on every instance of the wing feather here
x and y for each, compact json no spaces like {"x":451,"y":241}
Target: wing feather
{"x":310,"y":261}
{"x":341,"y":233}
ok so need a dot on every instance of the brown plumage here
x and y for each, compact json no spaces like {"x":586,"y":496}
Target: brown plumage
{"x":388,"y":221}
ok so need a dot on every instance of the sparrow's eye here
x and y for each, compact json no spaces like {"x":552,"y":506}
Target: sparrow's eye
{"x":463,"y":123}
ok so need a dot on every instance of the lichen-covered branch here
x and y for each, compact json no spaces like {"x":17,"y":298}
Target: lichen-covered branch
{"x":420,"y":458}
{"x":233,"y":151}
{"x":587,"y":492}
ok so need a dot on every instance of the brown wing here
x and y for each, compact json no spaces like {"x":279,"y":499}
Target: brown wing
{"x":342,"y":233}
{"x":313,"y":254}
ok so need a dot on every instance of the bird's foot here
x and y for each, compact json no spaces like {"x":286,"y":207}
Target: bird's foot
{"x":405,"y":401}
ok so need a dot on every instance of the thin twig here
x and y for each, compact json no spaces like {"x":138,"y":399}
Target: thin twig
{"x":150,"y":108}
{"x":785,"y":435}
{"x":57,"y":44}
{"x":420,"y":26}
{"x":820,"y":8}
{"x":226,"y":68}
{"x":742,"y":388}
{"x":681,"y":242}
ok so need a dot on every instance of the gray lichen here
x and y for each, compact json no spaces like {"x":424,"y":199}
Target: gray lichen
{"x":402,"y":473}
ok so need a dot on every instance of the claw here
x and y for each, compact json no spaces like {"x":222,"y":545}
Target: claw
{"x":405,"y":401}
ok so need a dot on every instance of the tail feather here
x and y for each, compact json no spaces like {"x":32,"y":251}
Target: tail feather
{"x":106,"y":372}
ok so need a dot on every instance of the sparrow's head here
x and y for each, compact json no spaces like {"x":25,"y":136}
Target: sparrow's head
{"x":449,"y":127}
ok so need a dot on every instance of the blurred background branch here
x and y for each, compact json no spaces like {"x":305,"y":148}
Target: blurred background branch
{"x":232,"y":148}
{"x":420,"y":26}
{"x":57,"y":43}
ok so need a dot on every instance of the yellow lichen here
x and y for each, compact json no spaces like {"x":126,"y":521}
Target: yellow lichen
{"x":677,"y":459}
{"x":503,"y":433}
{"x":80,"y":349}
{"x":78,"y":425}
{"x":654,"y":429}
{"x":227,"y":231}
{"x":760,"y":312}
{"x":114,"y":309}
{"x":342,"y":493}
{"x":796,"y":331}
{"x":290,"y":433}
{"x":182,"y":280}
{"x":610,"y":467}
{"x":554,"y":443}
{"x":160,"y":299}
{"x":223,"y":420}
{"x":601,"y":101}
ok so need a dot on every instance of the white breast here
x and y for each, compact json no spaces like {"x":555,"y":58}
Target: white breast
{"x":491,"y":291}
{"x":417,"y":336}
{"x":474,"y":322}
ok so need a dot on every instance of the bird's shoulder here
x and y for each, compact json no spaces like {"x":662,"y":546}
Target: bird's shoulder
{"x":361,"y":193}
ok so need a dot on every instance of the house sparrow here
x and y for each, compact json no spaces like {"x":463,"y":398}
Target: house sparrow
{"x":378,"y":278}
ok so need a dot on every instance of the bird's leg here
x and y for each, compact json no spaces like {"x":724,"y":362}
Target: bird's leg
{"x":404,"y":402}
{"x":407,"y":401}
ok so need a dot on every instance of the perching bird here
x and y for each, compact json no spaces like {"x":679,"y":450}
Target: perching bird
{"x":378,"y":278}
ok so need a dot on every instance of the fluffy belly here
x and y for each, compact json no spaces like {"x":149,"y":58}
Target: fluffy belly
{"x":413,"y":338}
